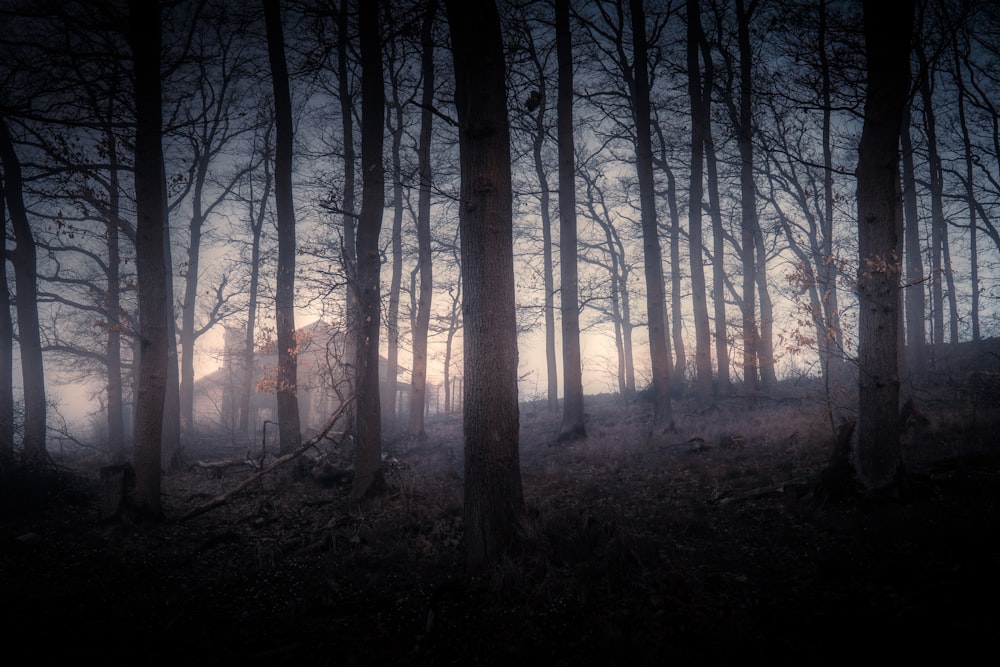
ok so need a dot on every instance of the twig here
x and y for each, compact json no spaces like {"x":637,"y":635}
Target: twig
{"x":224,"y":498}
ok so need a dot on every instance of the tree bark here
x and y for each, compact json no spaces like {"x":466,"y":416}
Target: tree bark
{"x":257,"y":218}
{"x":418,"y":380}
{"x":887,"y":44}
{"x":284,"y":293}
{"x":572,"y":427}
{"x":33,"y":450}
{"x":748,"y":195}
{"x":494,"y":496}
{"x":703,"y":335}
{"x":368,"y":480}
{"x":152,"y":272}
{"x":656,"y":316}
{"x":6,"y":347}
{"x":114,"y":324}
{"x":916,"y":340}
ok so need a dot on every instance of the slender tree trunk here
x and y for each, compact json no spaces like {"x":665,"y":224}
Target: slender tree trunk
{"x":113,"y":346}
{"x":703,"y":335}
{"x":663,"y":419}
{"x":887,"y":42}
{"x":388,"y":400}
{"x":765,"y":344}
{"x":368,"y":479}
{"x":970,"y":194}
{"x":6,"y":347}
{"x":418,"y":381}
{"x":828,"y":270}
{"x":188,"y":336}
{"x":572,"y":427}
{"x":171,"y":446}
{"x":748,"y":195}
{"x":724,"y":387}
{"x":914,"y":295}
{"x":152,"y":272}
{"x":349,"y":217}
{"x":676,"y":303}
{"x":284,"y":293}
{"x":494,"y":497}
{"x":33,"y":450}
{"x":257,"y":217}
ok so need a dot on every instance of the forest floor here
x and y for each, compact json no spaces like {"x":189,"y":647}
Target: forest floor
{"x":706,"y":546}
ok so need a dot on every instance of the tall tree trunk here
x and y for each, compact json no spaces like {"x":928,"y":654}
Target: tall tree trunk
{"x":765,"y":344}
{"x":748,"y":195}
{"x":26,"y":301}
{"x":572,"y":427}
{"x":970,"y":194}
{"x":545,"y":214}
{"x":152,"y":272}
{"x":112,"y":306}
{"x":257,"y":217}
{"x":368,"y":480}
{"x":188,"y":335}
{"x":663,"y":419}
{"x":914,"y":295}
{"x":703,"y":335}
{"x":284,"y":292}
{"x":171,"y":446}
{"x":349,"y":217}
{"x":724,"y":387}
{"x":887,"y":43}
{"x":389,"y":400}
{"x":418,"y":380}
{"x":676,"y":289}
{"x":494,"y":496}
{"x":6,"y":347}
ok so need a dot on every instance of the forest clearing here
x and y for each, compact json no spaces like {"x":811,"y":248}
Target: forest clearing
{"x":706,"y":546}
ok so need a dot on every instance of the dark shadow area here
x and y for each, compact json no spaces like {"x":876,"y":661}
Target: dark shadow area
{"x":708,"y":546}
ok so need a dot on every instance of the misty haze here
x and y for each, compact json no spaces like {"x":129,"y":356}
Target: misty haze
{"x":491,"y":331}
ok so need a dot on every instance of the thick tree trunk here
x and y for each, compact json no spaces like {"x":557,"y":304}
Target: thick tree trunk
{"x":494,"y":497}
{"x":152,"y":272}
{"x":368,"y":480}
{"x":572,"y":426}
{"x":418,"y":380}
{"x":887,"y":41}
{"x":284,"y":293}
{"x":33,"y":450}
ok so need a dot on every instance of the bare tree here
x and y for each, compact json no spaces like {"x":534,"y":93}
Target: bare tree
{"x":368,"y":480}
{"x":418,"y":379}
{"x":572,"y":427}
{"x":288,"y":405}
{"x":144,"y":33}
{"x":494,"y":496}
{"x":887,"y":45}
{"x":699,"y":121}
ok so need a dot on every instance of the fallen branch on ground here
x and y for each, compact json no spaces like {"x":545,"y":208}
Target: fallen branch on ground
{"x":218,"y":501}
